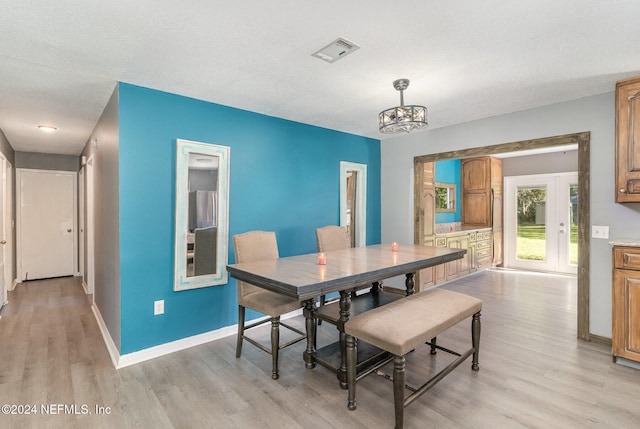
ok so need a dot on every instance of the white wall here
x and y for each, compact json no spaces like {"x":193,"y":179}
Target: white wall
{"x":595,"y":114}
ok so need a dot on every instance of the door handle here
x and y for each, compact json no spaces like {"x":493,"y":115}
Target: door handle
{"x":3,"y":242}
{"x":69,"y":230}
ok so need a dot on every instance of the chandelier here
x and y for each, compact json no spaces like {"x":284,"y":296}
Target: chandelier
{"x":402,"y":118}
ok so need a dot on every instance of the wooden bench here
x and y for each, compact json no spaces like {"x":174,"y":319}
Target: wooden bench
{"x":401,"y":326}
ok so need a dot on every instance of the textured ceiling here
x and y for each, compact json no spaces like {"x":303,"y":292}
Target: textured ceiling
{"x":60,"y":61}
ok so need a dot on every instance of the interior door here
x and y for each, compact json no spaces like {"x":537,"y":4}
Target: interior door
{"x":46,"y":232}
{"x":541,"y":222}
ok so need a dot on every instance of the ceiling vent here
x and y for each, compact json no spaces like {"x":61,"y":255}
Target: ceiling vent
{"x":335,"y":50}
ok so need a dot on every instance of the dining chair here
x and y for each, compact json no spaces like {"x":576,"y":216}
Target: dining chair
{"x":255,"y":246}
{"x":333,"y":237}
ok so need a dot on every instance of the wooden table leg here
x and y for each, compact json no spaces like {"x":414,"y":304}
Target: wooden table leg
{"x":311,"y":325}
{"x":410,"y":284}
{"x":345,"y":310}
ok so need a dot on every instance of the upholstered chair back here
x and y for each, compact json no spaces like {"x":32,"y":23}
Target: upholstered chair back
{"x":254,"y":246}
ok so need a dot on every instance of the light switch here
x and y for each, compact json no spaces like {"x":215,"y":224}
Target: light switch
{"x":158,"y":307}
{"x":599,"y":231}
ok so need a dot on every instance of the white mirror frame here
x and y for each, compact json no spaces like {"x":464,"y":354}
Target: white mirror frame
{"x":183,"y":149}
{"x":361,"y":199}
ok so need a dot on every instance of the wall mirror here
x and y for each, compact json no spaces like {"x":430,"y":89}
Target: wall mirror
{"x":202,"y":206}
{"x":353,"y":201}
{"x":445,"y":197}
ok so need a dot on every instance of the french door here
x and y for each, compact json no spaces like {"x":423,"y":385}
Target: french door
{"x":541,"y":232}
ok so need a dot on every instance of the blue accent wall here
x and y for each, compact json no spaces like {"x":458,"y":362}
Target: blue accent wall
{"x":284,"y":177}
{"x":448,"y":171}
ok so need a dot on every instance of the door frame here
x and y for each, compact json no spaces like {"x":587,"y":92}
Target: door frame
{"x":4,"y":230}
{"x":89,"y":189}
{"x":583,"y":140}
{"x":19,"y":172}
{"x":81,"y":225}
{"x":555,"y":191}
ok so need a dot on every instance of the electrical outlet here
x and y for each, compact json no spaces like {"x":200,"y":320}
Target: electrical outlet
{"x":599,"y":231}
{"x":158,"y":307}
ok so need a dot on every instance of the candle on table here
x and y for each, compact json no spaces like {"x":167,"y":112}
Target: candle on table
{"x":394,"y":247}
{"x":322,"y":259}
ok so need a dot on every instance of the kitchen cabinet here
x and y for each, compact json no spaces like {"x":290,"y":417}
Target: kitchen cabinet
{"x":479,"y":245}
{"x":628,"y":141}
{"x":625,"y":333}
{"x":482,"y":198}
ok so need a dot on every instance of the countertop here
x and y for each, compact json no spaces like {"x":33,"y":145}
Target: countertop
{"x":629,"y":242}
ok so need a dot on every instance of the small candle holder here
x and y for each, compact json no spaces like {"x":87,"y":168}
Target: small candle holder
{"x":322,"y":259}
{"x":394,"y":247}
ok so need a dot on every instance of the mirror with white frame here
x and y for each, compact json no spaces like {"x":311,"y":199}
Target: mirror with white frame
{"x":353,"y":201}
{"x":202,"y":206}
{"x":445,"y":197}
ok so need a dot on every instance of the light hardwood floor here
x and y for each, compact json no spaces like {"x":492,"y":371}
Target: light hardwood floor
{"x":533,"y":371}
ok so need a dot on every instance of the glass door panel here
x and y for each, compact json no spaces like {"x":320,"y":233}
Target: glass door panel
{"x":531,"y":241}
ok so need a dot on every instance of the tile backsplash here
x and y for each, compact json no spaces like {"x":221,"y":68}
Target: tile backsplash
{"x":443,"y":228}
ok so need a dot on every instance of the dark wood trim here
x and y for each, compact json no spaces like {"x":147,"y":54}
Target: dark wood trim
{"x":597,"y":339}
{"x":584,"y":167}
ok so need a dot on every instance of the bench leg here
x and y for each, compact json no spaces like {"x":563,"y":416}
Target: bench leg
{"x":475,"y":339}
{"x":352,"y":353}
{"x":433,"y":345}
{"x":398,"y":389}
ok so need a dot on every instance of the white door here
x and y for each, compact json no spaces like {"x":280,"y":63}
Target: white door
{"x":46,"y":232}
{"x":541,"y":222}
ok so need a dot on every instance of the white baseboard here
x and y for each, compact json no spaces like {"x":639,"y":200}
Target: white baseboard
{"x":174,"y":346}
{"x":108,"y":341}
{"x":121,"y":361}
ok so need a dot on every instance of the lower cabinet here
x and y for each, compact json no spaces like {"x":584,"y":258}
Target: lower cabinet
{"x":625,"y":333}
{"x":479,"y":255}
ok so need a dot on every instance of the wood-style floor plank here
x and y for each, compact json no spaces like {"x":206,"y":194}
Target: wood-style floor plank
{"x":534,"y":373}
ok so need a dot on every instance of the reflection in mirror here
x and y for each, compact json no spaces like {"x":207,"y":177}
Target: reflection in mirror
{"x":202,"y":188}
{"x":445,"y":197}
{"x":353,"y":201}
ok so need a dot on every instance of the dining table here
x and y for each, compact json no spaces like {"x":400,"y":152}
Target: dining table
{"x":309,"y":276}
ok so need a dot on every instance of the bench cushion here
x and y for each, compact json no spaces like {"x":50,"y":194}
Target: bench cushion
{"x":402,"y":325}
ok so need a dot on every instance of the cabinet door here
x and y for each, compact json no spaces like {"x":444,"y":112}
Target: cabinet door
{"x":428,"y":275}
{"x":628,"y":141}
{"x":429,"y":199}
{"x":459,"y":267}
{"x":476,"y":191}
{"x":625,"y":338}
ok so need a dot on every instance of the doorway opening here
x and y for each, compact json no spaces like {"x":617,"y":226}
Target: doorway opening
{"x":583,"y":141}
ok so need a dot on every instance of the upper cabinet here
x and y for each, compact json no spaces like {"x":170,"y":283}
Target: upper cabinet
{"x":482,"y":198}
{"x":628,"y":141}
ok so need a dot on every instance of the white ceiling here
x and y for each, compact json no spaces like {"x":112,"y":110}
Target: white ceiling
{"x":60,"y":60}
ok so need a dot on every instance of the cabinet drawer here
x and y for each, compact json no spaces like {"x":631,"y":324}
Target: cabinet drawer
{"x":484,"y":244}
{"x":473,"y":236}
{"x":484,"y":235}
{"x":627,"y":258}
{"x":441,"y":241}
{"x":483,"y":253}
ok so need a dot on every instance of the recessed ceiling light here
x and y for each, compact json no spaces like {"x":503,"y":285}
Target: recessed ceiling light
{"x":47,"y":128}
